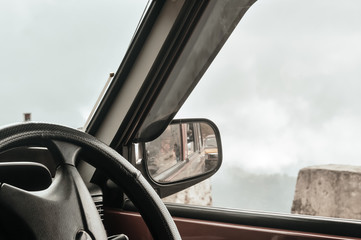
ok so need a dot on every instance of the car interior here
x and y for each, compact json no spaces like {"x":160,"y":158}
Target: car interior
{"x":103,"y":181}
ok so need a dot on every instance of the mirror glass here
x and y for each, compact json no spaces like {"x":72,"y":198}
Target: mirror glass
{"x":184,"y":150}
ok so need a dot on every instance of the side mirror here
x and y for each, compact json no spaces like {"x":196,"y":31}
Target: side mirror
{"x":188,"y":152}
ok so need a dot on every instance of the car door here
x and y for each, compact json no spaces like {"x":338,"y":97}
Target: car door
{"x":175,"y":44}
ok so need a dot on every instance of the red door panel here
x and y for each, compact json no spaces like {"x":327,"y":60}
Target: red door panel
{"x":133,"y":226}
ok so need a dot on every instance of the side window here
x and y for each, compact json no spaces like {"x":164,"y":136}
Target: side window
{"x":285,"y":92}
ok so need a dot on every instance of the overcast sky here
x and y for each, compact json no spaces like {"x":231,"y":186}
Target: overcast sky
{"x":285,"y":89}
{"x":55,"y":56}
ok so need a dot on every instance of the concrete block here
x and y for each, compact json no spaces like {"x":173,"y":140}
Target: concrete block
{"x":329,"y":190}
{"x":199,"y":194}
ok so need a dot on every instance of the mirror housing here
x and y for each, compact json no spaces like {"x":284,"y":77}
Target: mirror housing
{"x":186,"y":153}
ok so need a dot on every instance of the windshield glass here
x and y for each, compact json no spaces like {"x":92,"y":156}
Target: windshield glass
{"x":210,"y":142}
{"x":56,"y":56}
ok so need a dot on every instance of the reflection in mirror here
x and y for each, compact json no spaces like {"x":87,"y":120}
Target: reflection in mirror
{"x":184,"y":150}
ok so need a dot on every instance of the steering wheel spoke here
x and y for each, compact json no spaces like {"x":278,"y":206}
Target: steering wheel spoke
{"x":59,"y":212}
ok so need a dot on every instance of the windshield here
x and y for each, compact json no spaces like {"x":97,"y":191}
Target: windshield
{"x":56,"y":56}
{"x":210,"y":142}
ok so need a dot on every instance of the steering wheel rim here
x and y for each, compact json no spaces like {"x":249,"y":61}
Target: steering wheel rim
{"x":67,"y":142}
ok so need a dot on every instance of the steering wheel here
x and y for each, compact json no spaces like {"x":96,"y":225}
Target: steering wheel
{"x":65,"y":210}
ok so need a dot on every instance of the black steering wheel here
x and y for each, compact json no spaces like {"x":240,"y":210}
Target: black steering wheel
{"x":65,"y":210}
